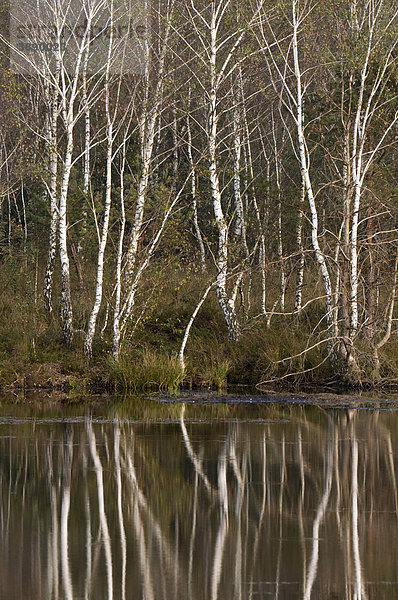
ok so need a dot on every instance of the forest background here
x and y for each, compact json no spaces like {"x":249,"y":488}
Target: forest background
{"x":197,"y":191}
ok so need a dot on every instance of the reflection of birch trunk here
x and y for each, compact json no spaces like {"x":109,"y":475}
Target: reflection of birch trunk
{"x":165,"y":548}
{"x":146,"y":570}
{"x":53,"y":556}
{"x":240,"y":479}
{"x":101,"y":507}
{"x":197,"y":463}
{"x":261,"y":515}
{"x":120,"y":507}
{"x":301,"y":500}
{"x":390,"y":462}
{"x":359,"y":588}
{"x":87,"y":510}
{"x":218,"y":556}
{"x":223,"y":527}
{"x":193,"y":535}
{"x":65,"y":506}
{"x":281,"y":496}
{"x":313,"y":565}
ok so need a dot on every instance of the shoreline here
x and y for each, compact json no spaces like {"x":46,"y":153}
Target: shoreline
{"x":55,"y":378}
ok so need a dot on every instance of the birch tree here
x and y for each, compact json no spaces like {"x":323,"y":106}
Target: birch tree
{"x":217,"y":56}
{"x":371,"y":28}
{"x":66,"y":29}
{"x":111,"y":128}
{"x":287,"y":77}
{"x":151,"y":109}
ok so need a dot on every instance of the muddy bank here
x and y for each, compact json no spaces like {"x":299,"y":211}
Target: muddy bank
{"x":366,"y":400}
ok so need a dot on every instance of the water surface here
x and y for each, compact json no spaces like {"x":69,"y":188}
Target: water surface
{"x":165,"y":501}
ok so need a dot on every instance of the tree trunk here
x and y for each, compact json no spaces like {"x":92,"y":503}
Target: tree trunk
{"x":227,"y":308}
{"x":88,"y":343}
{"x":66,"y":301}
{"x":118,"y":288}
{"x":53,"y":163}
{"x":300,"y":269}
{"x":198,"y":233}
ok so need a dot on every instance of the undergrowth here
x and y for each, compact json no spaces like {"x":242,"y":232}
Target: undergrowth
{"x":287,"y":353}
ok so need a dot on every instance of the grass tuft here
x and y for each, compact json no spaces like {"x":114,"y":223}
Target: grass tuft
{"x":146,"y":370}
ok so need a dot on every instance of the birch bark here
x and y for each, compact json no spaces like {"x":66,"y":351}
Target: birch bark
{"x":198,"y":232}
{"x":88,"y":342}
{"x":303,"y":155}
{"x":149,"y":117}
{"x":52,"y":134}
{"x":118,"y":288}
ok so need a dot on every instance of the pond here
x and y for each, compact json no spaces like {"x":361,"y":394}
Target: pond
{"x":141,"y":499}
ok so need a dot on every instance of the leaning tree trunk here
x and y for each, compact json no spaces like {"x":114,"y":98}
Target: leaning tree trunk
{"x":298,"y":300}
{"x":388,"y":325}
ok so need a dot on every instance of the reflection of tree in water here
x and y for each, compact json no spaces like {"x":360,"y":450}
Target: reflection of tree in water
{"x":302,"y":506}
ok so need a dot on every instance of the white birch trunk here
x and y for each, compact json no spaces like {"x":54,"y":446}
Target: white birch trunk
{"x":148,"y":131}
{"x":198,"y":233}
{"x":300,"y":270}
{"x":69,"y":90}
{"x":87,"y":125}
{"x":64,"y":518}
{"x":118,"y":287}
{"x":129,"y":302}
{"x":280,"y":239}
{"x":365,"y":112}
{"x":53,"y":163}
{"x":87,"y":135}
{"x":190,"y":323}
{"x":356,"y":172}
{"x":66,"y":301}
{"x":101,"y":508}
{"x":222,"y":255}
{"x":320,"y":257}
{"x":240,"y":223}
{"x":88,"y":343}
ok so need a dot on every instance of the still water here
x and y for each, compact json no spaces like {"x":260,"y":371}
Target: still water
{"x":139,"y":500}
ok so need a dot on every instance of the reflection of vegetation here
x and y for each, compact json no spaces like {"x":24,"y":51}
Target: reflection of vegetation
{"x":186,"y":509}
